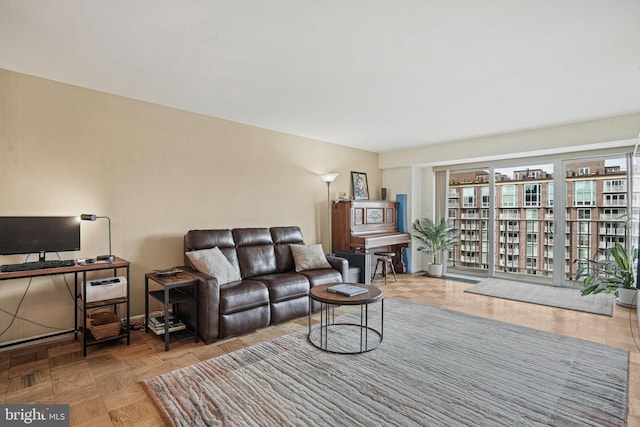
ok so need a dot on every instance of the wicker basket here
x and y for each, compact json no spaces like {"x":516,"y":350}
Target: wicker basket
{"x":103,"y":324}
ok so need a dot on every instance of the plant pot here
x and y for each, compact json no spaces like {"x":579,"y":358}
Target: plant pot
{"x":435,"y":270}
{"x":627,"y":297}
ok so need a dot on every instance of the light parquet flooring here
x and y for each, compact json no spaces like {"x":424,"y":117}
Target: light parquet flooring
{"x":103,"y":388}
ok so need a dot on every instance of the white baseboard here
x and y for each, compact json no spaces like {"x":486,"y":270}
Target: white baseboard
{"x":140,"y":317}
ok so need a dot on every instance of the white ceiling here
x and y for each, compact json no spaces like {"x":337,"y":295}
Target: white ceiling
{"x":372,"y":74}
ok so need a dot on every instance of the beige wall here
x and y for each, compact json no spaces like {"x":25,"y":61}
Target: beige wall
{"x":157,"y":172}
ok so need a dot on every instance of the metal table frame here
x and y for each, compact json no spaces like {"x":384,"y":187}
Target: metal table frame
{"x":329,"y":301}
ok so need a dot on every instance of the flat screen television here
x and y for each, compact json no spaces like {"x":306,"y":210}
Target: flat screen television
{"x":39,"y":234}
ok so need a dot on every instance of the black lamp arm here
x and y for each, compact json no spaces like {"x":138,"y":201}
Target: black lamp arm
{"x":93,"y":217}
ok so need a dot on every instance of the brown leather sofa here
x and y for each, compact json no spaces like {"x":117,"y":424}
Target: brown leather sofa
{"x":271,"y":291}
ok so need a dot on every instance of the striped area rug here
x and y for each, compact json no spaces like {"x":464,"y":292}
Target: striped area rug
{"x":435,"y":367}
{"x":552,"y":296}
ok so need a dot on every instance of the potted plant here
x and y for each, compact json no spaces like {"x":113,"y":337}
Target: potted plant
{"x":615,"y":273}
{"x":435,"y":239}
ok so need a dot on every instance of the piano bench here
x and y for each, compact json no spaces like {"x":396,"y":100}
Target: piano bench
{"x":385,"y":259}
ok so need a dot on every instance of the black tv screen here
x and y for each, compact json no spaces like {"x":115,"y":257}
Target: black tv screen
{"x":38,"y":234}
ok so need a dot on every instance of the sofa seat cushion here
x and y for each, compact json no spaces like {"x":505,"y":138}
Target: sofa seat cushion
{"x":242,"y":296}
{"x":293,"y":308}
{"x":284,"y":286}
{"x":245,"y":321}
{"x":322,"y":277}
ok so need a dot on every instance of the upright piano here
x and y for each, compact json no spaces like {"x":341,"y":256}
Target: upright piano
{"x":368,"y":226}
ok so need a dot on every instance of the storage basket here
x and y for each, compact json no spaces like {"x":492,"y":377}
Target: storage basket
{"x":103,"y":324}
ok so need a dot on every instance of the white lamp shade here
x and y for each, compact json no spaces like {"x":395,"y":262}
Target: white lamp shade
{"x":329,"y":177}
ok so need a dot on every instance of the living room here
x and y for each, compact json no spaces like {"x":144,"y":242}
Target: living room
{"x":159,"y":169}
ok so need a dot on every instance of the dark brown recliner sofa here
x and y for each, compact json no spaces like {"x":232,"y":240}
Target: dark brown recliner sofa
{"x":271,"y":291}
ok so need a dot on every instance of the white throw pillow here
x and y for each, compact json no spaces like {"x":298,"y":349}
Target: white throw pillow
{"x":309,"y":257}
{"x":214,"y":263}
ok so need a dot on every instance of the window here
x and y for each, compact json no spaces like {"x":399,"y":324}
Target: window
{"x":470,"y":214}
{"x":610,"y":213}
{"x":594,"y":193}
{"x":583,"y":254}
{"x":584,"y":193}
{"x":610,"y":241}
{"x":485,"y":196}
{"x":615,"y":199}
{"x":615,"y":186}
{"x":584,"y":213}
{"x":509,"y":195}
{"x":469,"y":197}
{"x":583,"y":227}
{"x":510,"y":214}
{"x":532,"y":195}
{"x":584,"y":240}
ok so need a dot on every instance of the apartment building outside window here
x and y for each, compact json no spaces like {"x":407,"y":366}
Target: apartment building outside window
{"x":595,"y":201}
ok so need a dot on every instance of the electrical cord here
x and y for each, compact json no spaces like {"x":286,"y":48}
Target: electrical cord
{"x":15,"y":316}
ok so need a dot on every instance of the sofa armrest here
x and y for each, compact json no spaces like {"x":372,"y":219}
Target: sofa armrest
{"x":208,"y":305}
{"x":340,"y":264}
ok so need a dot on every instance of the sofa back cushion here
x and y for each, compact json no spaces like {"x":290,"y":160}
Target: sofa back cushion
{"x":282,"y":238}
{"x":255,"y":250}
{"x":196,"y":240}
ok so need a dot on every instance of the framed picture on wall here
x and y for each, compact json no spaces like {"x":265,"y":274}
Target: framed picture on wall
{"x":360,"y":186}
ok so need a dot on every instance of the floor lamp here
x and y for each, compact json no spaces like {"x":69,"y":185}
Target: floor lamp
{"x":329,"y":178}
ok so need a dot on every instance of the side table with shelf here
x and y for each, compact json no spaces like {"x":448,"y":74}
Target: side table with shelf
{"x":172,"y":292}
{"x":87,"y":337}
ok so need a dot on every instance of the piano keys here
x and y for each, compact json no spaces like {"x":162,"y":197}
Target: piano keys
{"x":368,"y":226}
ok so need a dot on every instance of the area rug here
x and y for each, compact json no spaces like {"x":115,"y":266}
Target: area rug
{"x":454,"y":278}
{"x":435,"y":367}
{"x":551,"y":296}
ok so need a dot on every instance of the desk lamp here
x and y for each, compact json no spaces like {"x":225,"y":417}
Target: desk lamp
{"x":91,"y":217}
